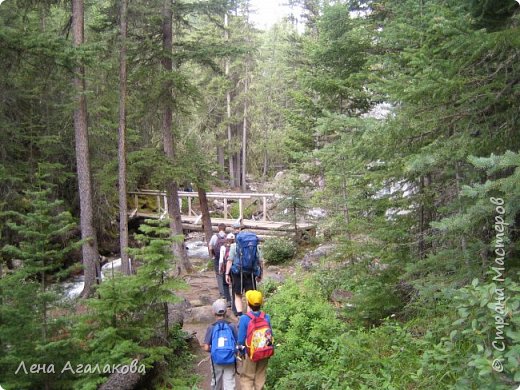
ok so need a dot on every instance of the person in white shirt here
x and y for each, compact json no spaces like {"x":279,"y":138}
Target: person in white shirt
{"x":225,"y":250}
{"x":217,"y":242}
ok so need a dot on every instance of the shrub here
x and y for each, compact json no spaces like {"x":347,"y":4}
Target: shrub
{"x":465,"y":357}
{"x":278,"y":250}
{"x":304,"y":329}
{"x":316,"y":350}
{"x":375,"y":294}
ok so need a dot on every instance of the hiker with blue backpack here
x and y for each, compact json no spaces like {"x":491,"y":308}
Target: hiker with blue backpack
{"x":255,"y":340}
{"x":244,"y":266}
{"x":220,"y":340}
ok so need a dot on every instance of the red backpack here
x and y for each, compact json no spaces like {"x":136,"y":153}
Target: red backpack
{"x":259,"y":339}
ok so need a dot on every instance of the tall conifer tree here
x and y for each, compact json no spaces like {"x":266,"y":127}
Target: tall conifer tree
{"x":88,"y":233}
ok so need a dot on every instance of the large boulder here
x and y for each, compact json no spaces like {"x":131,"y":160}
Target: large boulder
{"x":200,"y":314}
{"x":312,"y":259}
{"x":277,"y":278}
{"x":122,"y":381}
{"x":176,"y":312}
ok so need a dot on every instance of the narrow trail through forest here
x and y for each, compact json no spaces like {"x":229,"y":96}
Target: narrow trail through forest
{"x":200,"y":294}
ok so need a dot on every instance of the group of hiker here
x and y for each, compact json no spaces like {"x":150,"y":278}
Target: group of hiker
{"x":237,"y":264}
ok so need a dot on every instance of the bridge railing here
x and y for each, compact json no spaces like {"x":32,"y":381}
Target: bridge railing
{"x":160,"y":201}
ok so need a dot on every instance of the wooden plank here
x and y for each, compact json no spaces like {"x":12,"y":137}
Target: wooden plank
{"x":229,"y":195}
{"x":260,"y":225}
{"x":260,"y":233}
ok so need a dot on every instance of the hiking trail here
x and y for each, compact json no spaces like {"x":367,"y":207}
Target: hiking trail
{"x":202,"y":291}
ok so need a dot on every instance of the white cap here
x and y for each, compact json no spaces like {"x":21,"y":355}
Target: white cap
{"x":230,"y":236}
{"x":219,"y":307}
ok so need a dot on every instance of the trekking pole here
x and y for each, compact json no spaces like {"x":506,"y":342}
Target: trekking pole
{"x":214,"y":374}
{"x":241,"y":273}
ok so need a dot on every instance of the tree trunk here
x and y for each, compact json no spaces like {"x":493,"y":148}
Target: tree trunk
{"x":237,"y":157}
{"x":89,"y":247}
{"x":221,"y":160}
{"x":174,"y":215}
{"x":295,"y":222}
{"x":244,"y":136}
{"x":172,"y":188}
{"x":228,"y":112}
{"x":206,"y":218}
{"x":123,"y":212}
{"x":266,"y":156}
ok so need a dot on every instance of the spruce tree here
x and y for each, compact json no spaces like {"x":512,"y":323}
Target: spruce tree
{"x":32,"y":331}
{"x":129,"y":320}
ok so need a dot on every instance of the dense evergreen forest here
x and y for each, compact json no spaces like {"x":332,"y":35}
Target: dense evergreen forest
{"x":400,"y":120}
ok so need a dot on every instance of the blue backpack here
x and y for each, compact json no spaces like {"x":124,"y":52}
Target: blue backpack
{"x":223,"y":344}
{"x":246,"y":255}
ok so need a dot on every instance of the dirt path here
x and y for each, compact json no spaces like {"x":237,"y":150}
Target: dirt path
{"x":202,"y":292}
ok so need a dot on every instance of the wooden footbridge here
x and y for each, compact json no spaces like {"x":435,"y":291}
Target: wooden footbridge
{"x":232,"y":207}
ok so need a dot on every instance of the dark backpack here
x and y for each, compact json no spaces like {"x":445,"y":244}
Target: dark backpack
{"x":226,"y":255}
{"x":223,"y":344}
{"x":259,"y":339}
{"x":220,"y":241}
{"x":246,"y":254}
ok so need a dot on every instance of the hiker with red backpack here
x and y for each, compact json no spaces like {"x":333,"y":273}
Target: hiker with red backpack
{"x":220,"y":341}
{"x":244,"y":266}
{"x":255,"y":340}
{"x":215,"y":244}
